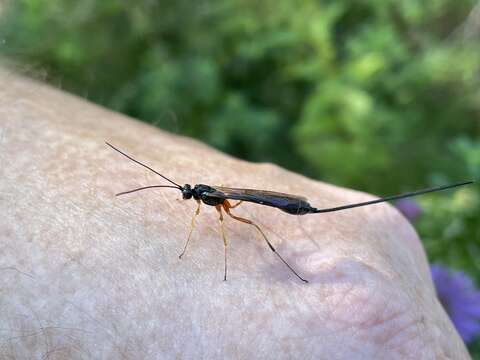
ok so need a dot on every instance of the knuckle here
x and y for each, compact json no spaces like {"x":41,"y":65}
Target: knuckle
{"x":381,"y":318}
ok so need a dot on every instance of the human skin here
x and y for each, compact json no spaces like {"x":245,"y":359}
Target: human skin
{"x":85,"y":274}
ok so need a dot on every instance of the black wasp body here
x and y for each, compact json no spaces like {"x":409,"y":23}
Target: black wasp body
{"x":216,"y":195}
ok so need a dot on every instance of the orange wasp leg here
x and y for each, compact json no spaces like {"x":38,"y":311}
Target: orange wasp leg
{"x":234,"y":206}
{"x":191,"y":229}
{"x":226,"y":206}
{"x":219,"y":209}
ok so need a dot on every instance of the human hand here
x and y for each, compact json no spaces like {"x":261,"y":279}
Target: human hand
{"x":86,"y":274}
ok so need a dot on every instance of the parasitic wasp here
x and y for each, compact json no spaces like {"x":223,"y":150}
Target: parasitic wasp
{"x":219,"y":196}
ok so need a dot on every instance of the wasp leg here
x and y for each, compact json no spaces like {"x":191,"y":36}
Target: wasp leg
{"x":227,"y":207}
{"x":219,"y":209}
{"x":234,"y":206}
{"x":191,"y":229}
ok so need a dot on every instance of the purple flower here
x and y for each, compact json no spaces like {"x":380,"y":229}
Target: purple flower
{"x":409,"y":208}
{"x":460,"y":299}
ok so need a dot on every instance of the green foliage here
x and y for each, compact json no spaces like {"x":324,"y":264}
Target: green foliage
{"x":377,"y":95}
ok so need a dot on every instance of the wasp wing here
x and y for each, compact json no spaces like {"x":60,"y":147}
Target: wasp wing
{"x":291,"y":204}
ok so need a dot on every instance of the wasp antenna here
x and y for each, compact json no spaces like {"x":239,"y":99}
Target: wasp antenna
{"x":146,"y":187}
{"x":145,"y":166}
{"x":394,"y":197}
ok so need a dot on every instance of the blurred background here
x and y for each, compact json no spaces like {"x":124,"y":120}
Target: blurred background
{"x":377,"y":95}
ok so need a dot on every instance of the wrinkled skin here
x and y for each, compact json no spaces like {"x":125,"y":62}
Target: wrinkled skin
{"x":85,"y":274}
